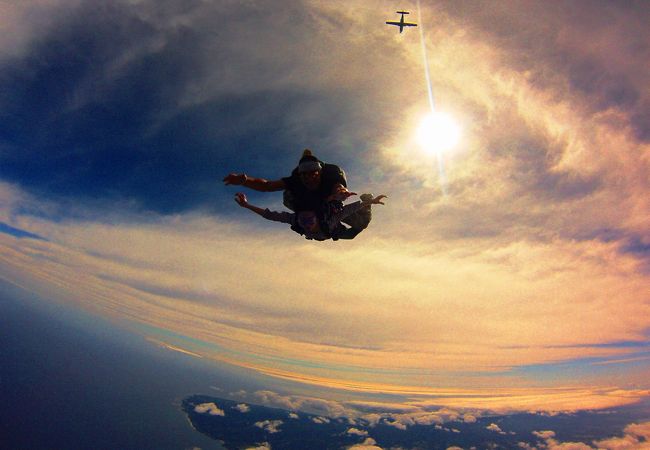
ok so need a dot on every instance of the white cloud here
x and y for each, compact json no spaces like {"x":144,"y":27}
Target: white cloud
{"x":494,"y":427}
{"x":551,"y":445}
{"x":209,"y":408}
{"x":368,"y":444}
{"x":416,"y":416}
{"x":635,"y":437}
{"x":428,"y":418}
{"x":641,"y":430}
{"x":547,"y":434}
{"x":242,"y":407}
{"x":320,"y":420}
{"x":469,"y":418}
{"x":396,"y":424}
{"x":357,"y":432}
{"x":314,"y":405}
{"x":372,"y":419}
{"x":293,"y":415}
{"x":262,"y":446}
{"x":270,"y":426}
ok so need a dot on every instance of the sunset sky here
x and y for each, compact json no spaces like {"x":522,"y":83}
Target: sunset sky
{"x":511,"y":272}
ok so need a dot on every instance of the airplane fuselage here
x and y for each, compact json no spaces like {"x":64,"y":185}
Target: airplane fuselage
{"x":401,"y":24}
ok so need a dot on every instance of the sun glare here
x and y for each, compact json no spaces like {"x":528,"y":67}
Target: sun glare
{"x":438,"y":133}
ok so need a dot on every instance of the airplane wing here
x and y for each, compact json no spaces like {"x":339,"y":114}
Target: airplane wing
{"x":393,"y":23}
{"x":406,"y":24}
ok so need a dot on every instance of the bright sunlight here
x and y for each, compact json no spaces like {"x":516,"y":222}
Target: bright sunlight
{"x":438,"y":133}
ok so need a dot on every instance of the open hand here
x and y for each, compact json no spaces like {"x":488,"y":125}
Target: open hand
{"x":236,"y":179}
{"x":377,"y":200}
{"x":241,"y":199}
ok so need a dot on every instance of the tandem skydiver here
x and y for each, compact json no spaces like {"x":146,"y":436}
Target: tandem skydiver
{"x":312,"y":186}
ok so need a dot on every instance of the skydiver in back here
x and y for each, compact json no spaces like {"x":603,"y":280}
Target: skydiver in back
{"x":309,"y":186}
{"x":316,"y":225}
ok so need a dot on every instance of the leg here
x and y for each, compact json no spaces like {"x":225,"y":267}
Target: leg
{"x":360,"y":219}
{"x":343,"y":232}
{"x":349,"y":233}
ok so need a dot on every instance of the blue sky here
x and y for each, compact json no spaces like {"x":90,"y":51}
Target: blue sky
{"x":525,"y":268}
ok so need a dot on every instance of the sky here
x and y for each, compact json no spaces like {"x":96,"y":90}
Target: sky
{"x":510,"y":273}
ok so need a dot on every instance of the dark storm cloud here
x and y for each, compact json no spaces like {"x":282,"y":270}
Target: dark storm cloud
{"x":94,"y":149}
{"x":97,"y":107}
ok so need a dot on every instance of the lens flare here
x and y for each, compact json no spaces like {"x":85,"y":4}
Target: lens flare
{"x":438,"y":133}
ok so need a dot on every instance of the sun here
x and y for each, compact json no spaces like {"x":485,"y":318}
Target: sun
{"x":438,"y":133}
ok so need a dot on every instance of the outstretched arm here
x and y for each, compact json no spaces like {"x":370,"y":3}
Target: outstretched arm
{"x":275,"y":216}
{"x":374,"y":200}
{"x":340,"y":192}
{"x":351,"y":208}
{"x":241,"y":199}
{"x":257,"y":184}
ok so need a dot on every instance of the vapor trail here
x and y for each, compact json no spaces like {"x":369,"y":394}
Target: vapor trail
{"x":441,"y":168}
{"x":426,"y":60}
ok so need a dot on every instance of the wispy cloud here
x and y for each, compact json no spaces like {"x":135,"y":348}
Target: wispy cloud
{"x":173,"y":348}
{"x":389,"y":332}
{"x":17,"y":232}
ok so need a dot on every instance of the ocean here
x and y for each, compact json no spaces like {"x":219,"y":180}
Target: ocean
{"x":69,"y":380}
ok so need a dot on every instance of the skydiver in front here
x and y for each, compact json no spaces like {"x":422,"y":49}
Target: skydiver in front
{"x":316,"y":225}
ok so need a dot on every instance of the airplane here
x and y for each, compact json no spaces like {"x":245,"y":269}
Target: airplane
{"x":401,"y":24}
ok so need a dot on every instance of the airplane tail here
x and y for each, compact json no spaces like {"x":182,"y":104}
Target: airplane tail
{"x":403,"y":12}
